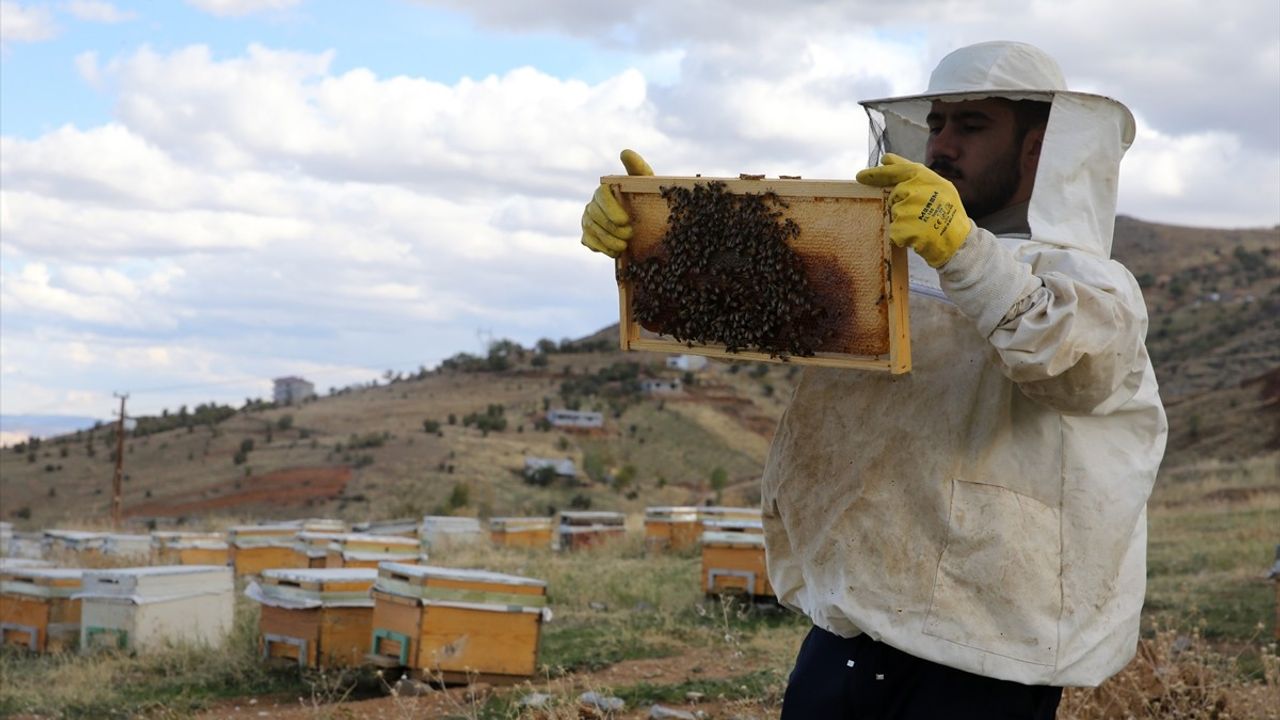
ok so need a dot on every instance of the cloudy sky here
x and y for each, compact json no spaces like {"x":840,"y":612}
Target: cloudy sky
{"x":198,"y":197}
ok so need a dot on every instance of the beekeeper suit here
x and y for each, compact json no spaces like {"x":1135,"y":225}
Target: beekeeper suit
{"x":987,"y":511}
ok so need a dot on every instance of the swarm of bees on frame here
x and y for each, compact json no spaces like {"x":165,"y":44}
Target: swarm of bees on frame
{"x":724,"y":274}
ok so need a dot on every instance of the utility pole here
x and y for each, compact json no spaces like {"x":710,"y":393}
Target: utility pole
{"x":117,"y":481}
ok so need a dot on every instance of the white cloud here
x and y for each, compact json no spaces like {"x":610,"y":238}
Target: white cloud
{"x":97,"y":11}
{"x":233,"y":8}
{"x":25,"y":23}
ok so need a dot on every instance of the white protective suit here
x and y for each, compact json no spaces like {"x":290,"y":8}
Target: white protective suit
{"x":987,"y":511}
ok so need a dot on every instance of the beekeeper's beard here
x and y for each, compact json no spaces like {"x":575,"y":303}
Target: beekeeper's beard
{"x":990,"y":188}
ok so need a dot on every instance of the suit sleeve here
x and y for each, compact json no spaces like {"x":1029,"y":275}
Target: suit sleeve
{"x":1068,"y":327}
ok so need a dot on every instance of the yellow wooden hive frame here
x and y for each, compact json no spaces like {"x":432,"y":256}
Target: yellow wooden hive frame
{"x":841,"y":221}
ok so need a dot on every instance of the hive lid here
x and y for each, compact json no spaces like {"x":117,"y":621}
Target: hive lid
{"x":431,"y":585}
{"x":311,"y":588}
{"x":733,"y":539}
{"x":587,"y":517}
{"x":679,"y":513}
{"x":460,"y":574}
{"x":512,"y":523}
{"x":734,"y":525}
{"x":365,"y":539}
{"x":158,"y":581}
{"x":41,"y":582}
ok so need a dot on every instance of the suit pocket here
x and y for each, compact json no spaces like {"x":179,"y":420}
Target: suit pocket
{"x":998,"y":586}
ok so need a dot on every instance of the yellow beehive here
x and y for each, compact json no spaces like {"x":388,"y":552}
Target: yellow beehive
{"x":361,"y":550}
{"x":532,"y":532}
{"x":857,"y":274}
{"x":671,"y":528}
{"x":583,"y":529}
{"x":312,"y":549}
{"x":189,"y":548}
{"x":457,"y":624}
{"x":755,"y":527}
{"x":318,"y":618}
{"x":734,"y":562}
{"x":255,"y":548}
{"x":38,"y":608}
{"x":729,"y":513}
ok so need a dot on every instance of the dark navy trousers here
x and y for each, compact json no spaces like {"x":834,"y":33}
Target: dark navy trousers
{"x":858,"y":678}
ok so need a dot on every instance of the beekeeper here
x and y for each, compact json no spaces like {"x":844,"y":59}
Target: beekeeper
{"x":970,"y":537}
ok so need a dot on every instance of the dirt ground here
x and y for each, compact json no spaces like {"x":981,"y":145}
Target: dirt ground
{"x":464,"y":702}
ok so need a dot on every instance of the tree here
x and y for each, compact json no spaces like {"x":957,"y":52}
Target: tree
{"x":719,"y":479}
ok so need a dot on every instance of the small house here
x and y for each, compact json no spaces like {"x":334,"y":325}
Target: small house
{"x":562,"y":467}
{"x":146,"y":608}
{"x":459,"y":625}
{"x":290,"y":390}
{"x":318,"y":618}
{"x":661,"y":386}
{"x":575,"y":419}
{"x":686,"y":363}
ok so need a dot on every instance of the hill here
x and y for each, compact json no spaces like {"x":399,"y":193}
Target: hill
{"x":432,"y":442}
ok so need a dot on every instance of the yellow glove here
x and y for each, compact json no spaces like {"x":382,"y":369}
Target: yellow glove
{"x":924,"y":208}
{"x":606,"y":227}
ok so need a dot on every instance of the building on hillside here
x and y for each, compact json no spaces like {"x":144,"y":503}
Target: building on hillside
{"x":661,"y":386}
{"x":577,"y":419}
{"x":687,"y":363}
{"x":562,"y":467}
{"x":290,"y":390}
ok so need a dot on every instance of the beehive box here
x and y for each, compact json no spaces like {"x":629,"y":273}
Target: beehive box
{"x":133,"y":547}
{"x":671,"y":527}
{"x":142,"y":609}
{"x":6,"y":535}
{"x":531,"y":532}
{"x":734,"y":563}
{"x":457,"y":624}
{"x":403,"y":527}
{"x":312,"y":549}
{"x":189,"y":548}
{"x":754,"y":527}
{"x":38,"y":607}
{"x":255,"y":548}
{"x":859,"y":276}
{"x":582,"y":529}
{"x":716,"y":512}
{"x":318,"y":618}
{"x":361,"y":550}
{"x":77,"y":544}
{"x":27,"y":545}
{"x":441,"y":532}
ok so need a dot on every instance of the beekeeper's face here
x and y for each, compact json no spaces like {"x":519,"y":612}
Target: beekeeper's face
{"x":976,"y":145}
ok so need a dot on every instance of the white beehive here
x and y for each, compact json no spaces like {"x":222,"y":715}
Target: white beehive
{"x":145,"y":608}
{"x":440,"y":532}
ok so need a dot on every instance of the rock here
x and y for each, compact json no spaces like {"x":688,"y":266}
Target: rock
{"x":408,"y":687}
{"x":536,"y":700}
{"x":694,"y":696}
{"x":598,"y":606}
{"x":658,"y":712}
{"x":595,"y":700}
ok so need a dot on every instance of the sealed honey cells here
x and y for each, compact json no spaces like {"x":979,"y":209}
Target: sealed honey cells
{"x":725,"y":274}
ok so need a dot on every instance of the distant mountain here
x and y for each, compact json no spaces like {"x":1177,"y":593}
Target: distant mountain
{"x":15,"y":428}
